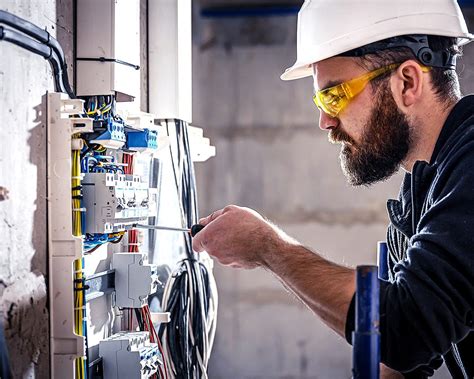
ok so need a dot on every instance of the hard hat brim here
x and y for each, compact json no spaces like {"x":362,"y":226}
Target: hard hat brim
{"x":304,"y":69}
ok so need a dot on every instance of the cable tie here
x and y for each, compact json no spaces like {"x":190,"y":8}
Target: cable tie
{"x":79,"y":209}
{"x":77,"y":177}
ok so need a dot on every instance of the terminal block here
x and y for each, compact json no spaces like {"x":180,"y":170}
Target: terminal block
{"x":135,"y":279}
{"x":145,"y":140}
{"x":109,"y":133}
{"x":129,"y":355}
{"x":114,"y":202}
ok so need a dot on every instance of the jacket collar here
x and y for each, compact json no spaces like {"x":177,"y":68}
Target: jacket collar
{"x":405,"y":211}
{"x":463,"y":109}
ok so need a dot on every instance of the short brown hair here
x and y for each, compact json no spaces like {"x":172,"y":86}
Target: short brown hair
{"x":444,"y":80}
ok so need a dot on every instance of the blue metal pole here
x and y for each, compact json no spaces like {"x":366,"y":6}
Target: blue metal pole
{"x":382,"y":260}
{"x":366,"y":337}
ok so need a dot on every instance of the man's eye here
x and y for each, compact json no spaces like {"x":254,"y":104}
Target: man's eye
{"x":332,"y":98}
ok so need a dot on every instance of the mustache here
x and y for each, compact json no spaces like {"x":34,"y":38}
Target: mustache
{"x":338,"y":135}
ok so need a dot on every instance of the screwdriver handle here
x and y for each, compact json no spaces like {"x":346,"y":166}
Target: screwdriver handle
{"x":195,"y":229}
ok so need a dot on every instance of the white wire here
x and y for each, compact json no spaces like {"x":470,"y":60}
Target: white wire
{"x":210,"y":319}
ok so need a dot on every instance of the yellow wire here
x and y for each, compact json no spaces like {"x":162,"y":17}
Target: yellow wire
{"x":78,"y":313}
{"x":76,"y":203}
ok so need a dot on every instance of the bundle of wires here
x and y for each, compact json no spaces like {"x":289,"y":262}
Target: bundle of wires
{"x":80,"y":325}
{"x":190,"y":294}
{"x":127,"y":160}
{"x":99,"y":105}
{"x":143,"y":316}
{"x":78,"y":214}
{"x":96,"y":162}
{"x":93,"y":241}
{"x":133,"y":243}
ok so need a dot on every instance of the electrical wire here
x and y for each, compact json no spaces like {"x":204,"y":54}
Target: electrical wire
{"x":38,"y":41}
{"x":190,"y":294}
{"x":78,"y":212}
{"x":80,"y":323}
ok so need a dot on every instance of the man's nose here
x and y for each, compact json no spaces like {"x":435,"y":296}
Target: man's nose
{"x":327,"y":122}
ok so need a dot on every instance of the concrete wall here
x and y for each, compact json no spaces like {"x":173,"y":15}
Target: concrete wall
{"x":271,"y":156}
{"x":24,"y":78}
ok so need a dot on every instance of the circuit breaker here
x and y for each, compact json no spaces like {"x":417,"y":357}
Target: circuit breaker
{"x":135,"y":279}
{"x":129,"y":355}
{"x":114,"y":202}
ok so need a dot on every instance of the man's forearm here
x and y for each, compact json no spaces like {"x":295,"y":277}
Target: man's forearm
{"x":240,"y":237}
{"x":325,"y":287}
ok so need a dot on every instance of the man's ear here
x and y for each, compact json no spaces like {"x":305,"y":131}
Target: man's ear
{"x":407,"y":84}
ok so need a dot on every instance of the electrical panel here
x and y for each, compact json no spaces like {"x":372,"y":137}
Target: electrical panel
{"x":107,"y":192}
{"x":119,"y":281}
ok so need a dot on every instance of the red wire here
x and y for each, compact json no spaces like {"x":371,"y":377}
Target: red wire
{"x":128,"y":160}
{"x":147,"y":313}
{"x":133,"y":241}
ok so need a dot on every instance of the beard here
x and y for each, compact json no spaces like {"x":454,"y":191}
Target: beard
{"x":384,"y":144}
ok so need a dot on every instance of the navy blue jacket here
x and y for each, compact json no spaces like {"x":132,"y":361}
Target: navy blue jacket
{"x":427,"y":307}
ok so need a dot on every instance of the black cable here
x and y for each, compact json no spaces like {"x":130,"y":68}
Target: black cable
{"x":184,"y":348}
{"x":56,"y":54}
{"x":38,"y":48}
{"x":25,"y":42}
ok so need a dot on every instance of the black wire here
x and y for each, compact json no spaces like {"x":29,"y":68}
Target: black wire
{"x":182,"y":350}
{"x":25,"y":42}
{"x":55,"y":55}
{"x":32,"y":30}
{"x":140,"y":322}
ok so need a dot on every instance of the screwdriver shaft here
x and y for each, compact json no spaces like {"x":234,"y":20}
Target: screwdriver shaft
{"x":159,"y":227}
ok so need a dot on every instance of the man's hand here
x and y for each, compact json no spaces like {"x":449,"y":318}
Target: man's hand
{"x":239,"y":237}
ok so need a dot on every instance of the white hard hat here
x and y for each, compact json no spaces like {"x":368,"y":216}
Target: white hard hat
{"x":327,"y":28}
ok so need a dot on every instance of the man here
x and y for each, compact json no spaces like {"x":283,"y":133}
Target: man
{"x":386,"y":87}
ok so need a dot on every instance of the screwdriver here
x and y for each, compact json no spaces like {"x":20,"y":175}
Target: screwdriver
{"x":195,"y":229}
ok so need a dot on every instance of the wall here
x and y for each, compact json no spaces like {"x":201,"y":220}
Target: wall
{"x":272,"y":157}
{"x":24,"y":78}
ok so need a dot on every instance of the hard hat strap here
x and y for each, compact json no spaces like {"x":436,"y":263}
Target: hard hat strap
{"x":418,"y":44}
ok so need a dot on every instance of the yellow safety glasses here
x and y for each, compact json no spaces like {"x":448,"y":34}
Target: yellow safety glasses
{"x":334,"y":99}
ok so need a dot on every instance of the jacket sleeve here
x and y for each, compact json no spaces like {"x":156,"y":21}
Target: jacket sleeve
{"x":430,"y":303}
